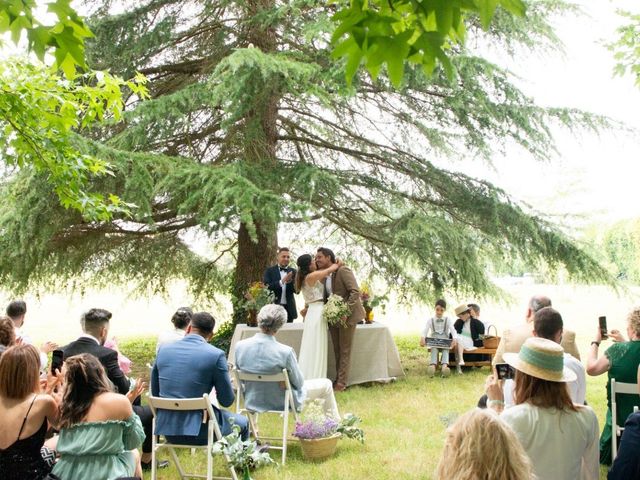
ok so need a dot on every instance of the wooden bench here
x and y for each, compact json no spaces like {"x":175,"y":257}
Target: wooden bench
{"x":480,"y":351}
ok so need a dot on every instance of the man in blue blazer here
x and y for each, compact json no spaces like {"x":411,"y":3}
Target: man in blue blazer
{"x":279,"y":278}
{"x":190,"y":368}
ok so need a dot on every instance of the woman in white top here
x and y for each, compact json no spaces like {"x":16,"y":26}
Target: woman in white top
{"x":315,"y":337}
{"x":181,"y":320}
{"x":561,"y":438}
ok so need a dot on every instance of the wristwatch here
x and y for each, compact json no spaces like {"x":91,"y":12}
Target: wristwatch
{"x":597,"y":344}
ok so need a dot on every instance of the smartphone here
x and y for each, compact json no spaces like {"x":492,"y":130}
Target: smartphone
{"x":57,"y":359}
{"x":602,"y":321}
{"x":505,"y":371}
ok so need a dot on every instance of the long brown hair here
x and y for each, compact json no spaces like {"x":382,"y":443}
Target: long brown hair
{"x":303,"y":262}
{"x":542,"y":393}
{"x":19,"y":372}
{"x":85,"y":379}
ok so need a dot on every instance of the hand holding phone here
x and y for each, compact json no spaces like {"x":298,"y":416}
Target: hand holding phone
{"x":57,"y":359}
{"x":602,"y":322}
{"x":505,"y":371}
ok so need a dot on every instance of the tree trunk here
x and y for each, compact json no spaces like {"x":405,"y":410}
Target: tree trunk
{"x":253,"y":259}
{"x":260,"y":151}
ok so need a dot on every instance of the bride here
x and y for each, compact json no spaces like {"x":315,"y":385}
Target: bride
{"x":313,"y":347}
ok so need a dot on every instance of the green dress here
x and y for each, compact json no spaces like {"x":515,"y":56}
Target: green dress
{"x":624,"y":359}
{"x":99,"y":450}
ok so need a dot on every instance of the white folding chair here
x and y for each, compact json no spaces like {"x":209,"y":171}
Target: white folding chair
{"x":619,"y":387}
{"x":288,"y":405}
{"x":185,"y":405}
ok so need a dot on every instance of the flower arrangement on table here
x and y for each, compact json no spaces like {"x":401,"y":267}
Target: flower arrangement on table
{"x":319,"y":433}
{"x":336,"y":311}
{"x":257,"y":296}
{"x":242,"y":455}
{"x":370,"y":300}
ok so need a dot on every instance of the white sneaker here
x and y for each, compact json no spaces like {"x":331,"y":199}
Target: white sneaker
{"x":445,"y":371}
{"x":431,"y":370}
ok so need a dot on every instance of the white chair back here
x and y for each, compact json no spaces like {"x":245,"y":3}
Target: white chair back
{"x":288,"y":404}
{"x":214,"y":434}
{"x":616,"y":430}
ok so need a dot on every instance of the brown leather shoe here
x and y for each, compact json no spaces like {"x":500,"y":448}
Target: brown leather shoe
{"x":339,"y":387}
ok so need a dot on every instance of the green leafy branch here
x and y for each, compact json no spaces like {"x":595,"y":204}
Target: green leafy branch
{"x":391,"y":32}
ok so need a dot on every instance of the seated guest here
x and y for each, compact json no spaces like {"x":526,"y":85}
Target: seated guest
{"x":95,"y":325}
{"x":98,"y":428}
{"x":262,"y":353}
{"x":626,"y":465}
{"x":180,"y":321}
{"x":474,"y":310}
{"x":512,"y":338}
{"x":620,"y":361}
{"x":561,"y":438}
{"x":469,"y":330}
{"x":479,"y":445}
{"x":7,"y":334}
{"x":25,"y":415}
{"x":16,"y":311}
{"x":190,"y":368}
{"x":547,"y":324}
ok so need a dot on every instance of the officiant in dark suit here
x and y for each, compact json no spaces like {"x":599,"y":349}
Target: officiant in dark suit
{"x":279,"y":278}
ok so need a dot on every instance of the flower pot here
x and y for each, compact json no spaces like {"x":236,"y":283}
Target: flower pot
{"x":319,"y":448}
{"x":252,"y":318}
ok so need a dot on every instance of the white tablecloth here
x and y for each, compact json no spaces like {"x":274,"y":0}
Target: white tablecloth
{"x":374,"y":355}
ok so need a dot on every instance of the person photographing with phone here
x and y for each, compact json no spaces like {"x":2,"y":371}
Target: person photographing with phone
{"x":620,"y":361}
{"x":560,"y":437}
{"x":548,"y":324}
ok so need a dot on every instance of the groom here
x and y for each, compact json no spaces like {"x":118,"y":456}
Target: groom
{"x":343,"y":283}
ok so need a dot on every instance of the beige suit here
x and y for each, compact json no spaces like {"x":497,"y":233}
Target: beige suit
{"x":513,"y":338}
{"x":344,"y":284}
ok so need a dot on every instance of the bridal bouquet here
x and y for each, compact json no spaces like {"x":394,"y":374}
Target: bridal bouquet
{"x":335,"y":311}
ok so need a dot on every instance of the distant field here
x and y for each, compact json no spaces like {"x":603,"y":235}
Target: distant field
{"x":56,"y":317}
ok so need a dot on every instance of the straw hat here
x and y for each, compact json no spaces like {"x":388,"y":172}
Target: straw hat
{"x":461,"y":309}
{"x":541,"y":358}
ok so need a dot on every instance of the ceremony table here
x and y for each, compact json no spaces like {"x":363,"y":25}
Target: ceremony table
{"x":374,"y":355}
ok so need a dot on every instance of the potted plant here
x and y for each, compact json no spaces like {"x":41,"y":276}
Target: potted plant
{"x":257,"y":296}
{"x":319,"y":433}
{"x":242,"y":455}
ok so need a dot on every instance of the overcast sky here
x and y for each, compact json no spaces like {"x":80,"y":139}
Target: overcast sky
{"x":594,"y":177}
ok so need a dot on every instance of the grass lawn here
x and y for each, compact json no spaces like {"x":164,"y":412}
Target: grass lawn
{"x":404,"y":422}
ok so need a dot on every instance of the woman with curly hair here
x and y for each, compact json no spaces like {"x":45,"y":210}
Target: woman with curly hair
{"x":620,"y":361}
{"x":7,"y":333}
{"x":480,"y":446}
{"x":98,"y":429}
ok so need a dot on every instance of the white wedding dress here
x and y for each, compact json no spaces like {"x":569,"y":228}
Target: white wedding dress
{"x":313,"y":347}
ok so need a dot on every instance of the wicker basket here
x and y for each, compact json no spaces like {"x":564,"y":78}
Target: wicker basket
{"x":319,"y":448}
{"x":491,"y":341}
